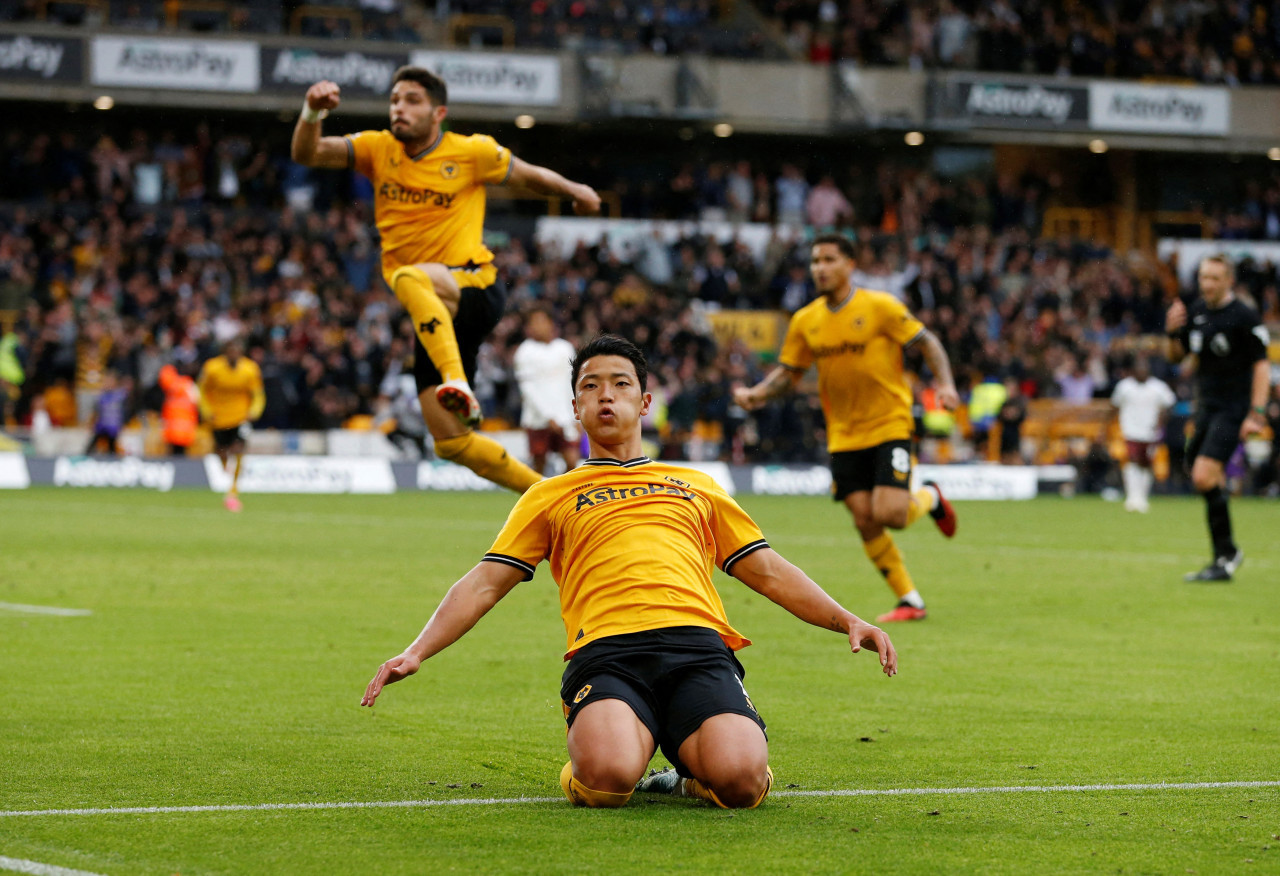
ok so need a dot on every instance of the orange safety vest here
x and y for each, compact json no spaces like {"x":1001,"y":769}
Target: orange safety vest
{"x":180,"y":413}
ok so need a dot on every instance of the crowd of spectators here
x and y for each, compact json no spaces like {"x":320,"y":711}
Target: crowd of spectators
{"x":1226,"y":43}
{"x":1235,"y":43}
{"x":121,"y":259}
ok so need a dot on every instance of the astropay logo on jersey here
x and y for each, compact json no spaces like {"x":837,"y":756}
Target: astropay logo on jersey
{"x":194,"y":65}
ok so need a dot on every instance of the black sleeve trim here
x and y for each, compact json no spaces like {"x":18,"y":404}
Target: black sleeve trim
{"x":742,"y":552}
{"x":511,"y":165}
{"x":916,"y":338}
{"x":351,"y":153}
{"x":510,"y":561}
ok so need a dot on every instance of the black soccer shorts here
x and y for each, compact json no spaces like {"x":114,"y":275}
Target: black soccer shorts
{"x":479,"y":310}
{"x":1216,"y":433}
{"x":673,"y":679}
{"x":884,"y":465}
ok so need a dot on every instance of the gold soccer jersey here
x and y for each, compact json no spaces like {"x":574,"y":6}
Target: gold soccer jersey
{"x":631,"y":547}
{"x":429,"y":207}
{"x":231,"y":395}
{"x":858,"y":349}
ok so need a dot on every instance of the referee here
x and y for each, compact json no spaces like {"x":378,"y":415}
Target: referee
{"x":1228,"y":344}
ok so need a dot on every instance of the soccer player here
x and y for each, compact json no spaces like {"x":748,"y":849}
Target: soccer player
{"x":1142,"y":401}
{"x":1228,"y":344}
{"x":231,"y":395}
{"x":543,"y":363}
{"x":631,"y":543}
{"x":429,"y":206}
{"x":856,"y":337}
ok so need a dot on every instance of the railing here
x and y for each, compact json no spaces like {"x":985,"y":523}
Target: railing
{"x":1117,"y":227}
{"x":351,"y":16}
{"x":175,"y":9}
{"x":468,"y":24}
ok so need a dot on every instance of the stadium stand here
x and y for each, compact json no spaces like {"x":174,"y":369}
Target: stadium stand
{"x":142,"y":244}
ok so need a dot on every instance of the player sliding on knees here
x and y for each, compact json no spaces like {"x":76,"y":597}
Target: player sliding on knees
{"x":631,"y":543}
{"x":429,"y":207}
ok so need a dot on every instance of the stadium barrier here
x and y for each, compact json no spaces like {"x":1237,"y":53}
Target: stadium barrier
{"x":350,"y":474}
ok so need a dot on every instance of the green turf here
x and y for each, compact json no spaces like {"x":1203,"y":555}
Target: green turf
{"x":226,"y":655}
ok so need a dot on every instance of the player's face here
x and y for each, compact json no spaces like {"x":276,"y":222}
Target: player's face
{"x":540,"y":327}
{"x":1215,"y":282}
{"x":607,"y":400}
{"x":413,"y":117}
{"x":830,"y":268}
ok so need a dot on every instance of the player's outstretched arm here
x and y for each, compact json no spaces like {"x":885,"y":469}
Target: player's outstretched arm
{"x":308,"y":147}
{"x":779,"y":381}
{"x":466,"y":602}
{"x":935,"y":356}
{"x":545,"y":181}
{"x":769,"y":574}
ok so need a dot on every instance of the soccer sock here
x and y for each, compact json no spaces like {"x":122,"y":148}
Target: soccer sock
{"x":694,"y":788}
{"x":887,"y":558}
{"x":923,"y":501}
{"x":235,"y":477}
{"x":1219,"y":522}
{"x":1146,"y":477}
{"x":431,"y":320}
{"x":487,"y":458}
{"x":580,"y":795}
{"x":1131,"y":474}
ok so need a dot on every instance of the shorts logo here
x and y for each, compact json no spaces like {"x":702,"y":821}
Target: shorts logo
{"x":900,"y":459}
{"x":747,"y":695}
{"x":448,"y":170}
{"x":582,"y":694}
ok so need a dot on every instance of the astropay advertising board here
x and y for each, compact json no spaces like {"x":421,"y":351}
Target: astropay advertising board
{"x":193,"y":65}
{"x":1115,"y":106}
{"x":521,"y":80}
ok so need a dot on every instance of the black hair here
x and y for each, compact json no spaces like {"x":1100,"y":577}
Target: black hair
{"x":842,"y":243}
{"x":611,"y":345}
{"x":437,"y":91}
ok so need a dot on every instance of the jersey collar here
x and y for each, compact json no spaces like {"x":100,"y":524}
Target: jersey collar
{"x":630,"y":463}
{"x":853,"y":290}
{"x":425,"y":152}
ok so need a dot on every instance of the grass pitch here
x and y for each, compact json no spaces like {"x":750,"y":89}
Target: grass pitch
{"x":225,"y":656}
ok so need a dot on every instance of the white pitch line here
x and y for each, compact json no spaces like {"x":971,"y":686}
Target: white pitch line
{"x":498,"y":801}
{"x":35,"y":868}
{"x":44,"y":609}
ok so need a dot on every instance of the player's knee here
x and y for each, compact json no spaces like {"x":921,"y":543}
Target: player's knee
{"x":743,"y":788}
{"x":894,"y":518}
{"x":582,"y":793}
{"x":1204,"y":481}
{"x":607,"y":775}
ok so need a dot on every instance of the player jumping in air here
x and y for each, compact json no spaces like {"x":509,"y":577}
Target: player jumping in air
{"x":429,"y":206}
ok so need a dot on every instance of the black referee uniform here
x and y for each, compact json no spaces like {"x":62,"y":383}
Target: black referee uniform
{"x":1228,"y":342}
